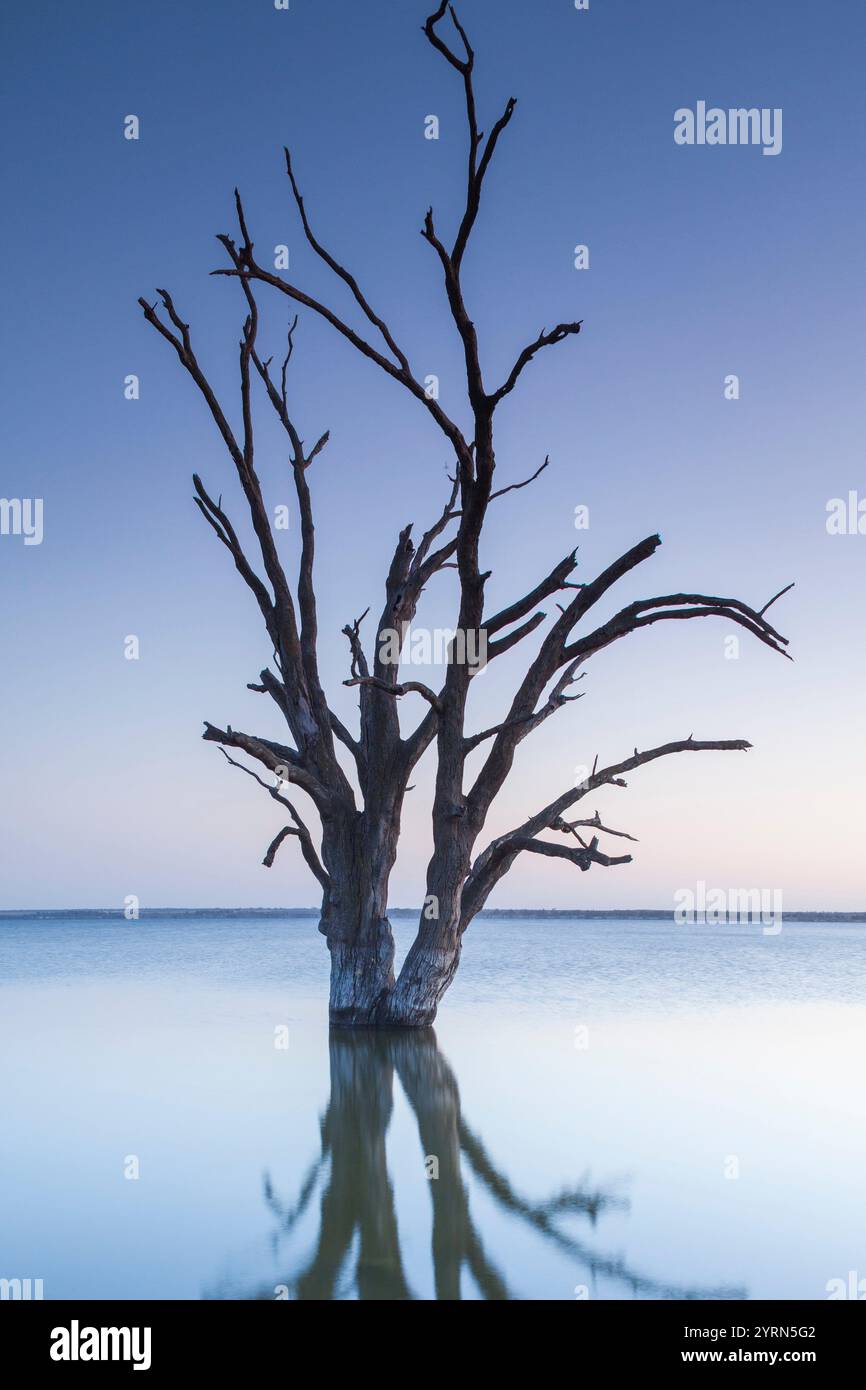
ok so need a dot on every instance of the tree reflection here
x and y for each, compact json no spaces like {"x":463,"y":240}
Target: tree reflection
{"x":357,"y":1249}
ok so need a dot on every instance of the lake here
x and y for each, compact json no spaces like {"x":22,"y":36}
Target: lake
{"x":608,"y":1109}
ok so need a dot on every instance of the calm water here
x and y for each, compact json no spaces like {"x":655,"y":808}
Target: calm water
{"x":615,"y":1110}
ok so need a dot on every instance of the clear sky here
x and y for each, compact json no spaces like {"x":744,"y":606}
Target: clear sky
{"x":704,"y":261}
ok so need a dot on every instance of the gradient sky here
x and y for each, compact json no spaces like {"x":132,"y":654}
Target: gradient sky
{"x":704,"y":262}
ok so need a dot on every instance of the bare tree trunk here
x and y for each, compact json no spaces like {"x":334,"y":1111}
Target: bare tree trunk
{"x":428,"y":970}
{"x":363,"y":987}
{"x":359,"y":853}
{"x":432,"y":960}
{"x":362,"y":976}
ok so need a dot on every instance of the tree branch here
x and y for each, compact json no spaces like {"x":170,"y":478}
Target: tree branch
{"x":359,"y":660}
{"x":679,"y":606}
{"x":552,"y":584}
{"x":550,"y":657}
{"x":308,"y":849}
{"x":476,"y":169}
{"x":399,"y":370}
{"x":344,"y":274}
{"x":305,"y":710}
{"x":544,"y":339}
{"x":404,"y":688}
{"x":497,"y":858}
{"x":515,"y":487}
{"x":219,"y":522}
{"x":570,"y":827}
{"x":584,"y":858}
{"x":529,"y":722}
{"x":273,"y":756}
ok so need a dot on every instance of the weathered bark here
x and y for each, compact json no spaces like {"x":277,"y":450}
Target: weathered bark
{"x":359,"y":853}
{"x":429,"y":968}
{"x":432,"y":960}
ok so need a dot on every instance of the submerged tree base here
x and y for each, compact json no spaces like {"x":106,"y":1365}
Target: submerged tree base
{"x":365,"y":994}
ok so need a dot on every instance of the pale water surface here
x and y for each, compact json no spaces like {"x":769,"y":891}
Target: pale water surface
{"x":616,"y":1109}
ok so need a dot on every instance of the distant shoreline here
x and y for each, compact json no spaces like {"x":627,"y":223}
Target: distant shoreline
{"x":617,"y":914}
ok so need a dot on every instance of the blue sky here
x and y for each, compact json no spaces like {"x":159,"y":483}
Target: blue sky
{"x":703,"y":262}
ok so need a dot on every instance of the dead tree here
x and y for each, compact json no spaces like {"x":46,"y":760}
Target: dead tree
{"x":359,"y":842}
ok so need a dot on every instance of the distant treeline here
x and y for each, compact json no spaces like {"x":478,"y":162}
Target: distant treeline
{"x":581,"y":914}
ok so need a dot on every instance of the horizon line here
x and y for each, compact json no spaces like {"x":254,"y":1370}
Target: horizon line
{"x":657,"y":913}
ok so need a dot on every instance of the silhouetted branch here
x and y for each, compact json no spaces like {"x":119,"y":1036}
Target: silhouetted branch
{"x":217,"y":519}
{"x":299,"y":829}
{"x":344,"y":274}
{"x":273,"y":756}
{"x":250,"y":269}
{"x":679,"y":606}
{"x":497,"y":858}
{"x":544,"y":339}
{"x":515,"y":487}
{"x":583,"y":858}
{"x":476,"y":168}
{"x":570,"y":827}
{"x":403,"y":688}
{"x":552,"y":584}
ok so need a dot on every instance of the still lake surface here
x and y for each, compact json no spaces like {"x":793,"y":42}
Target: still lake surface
{"x":616,"y":1109}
